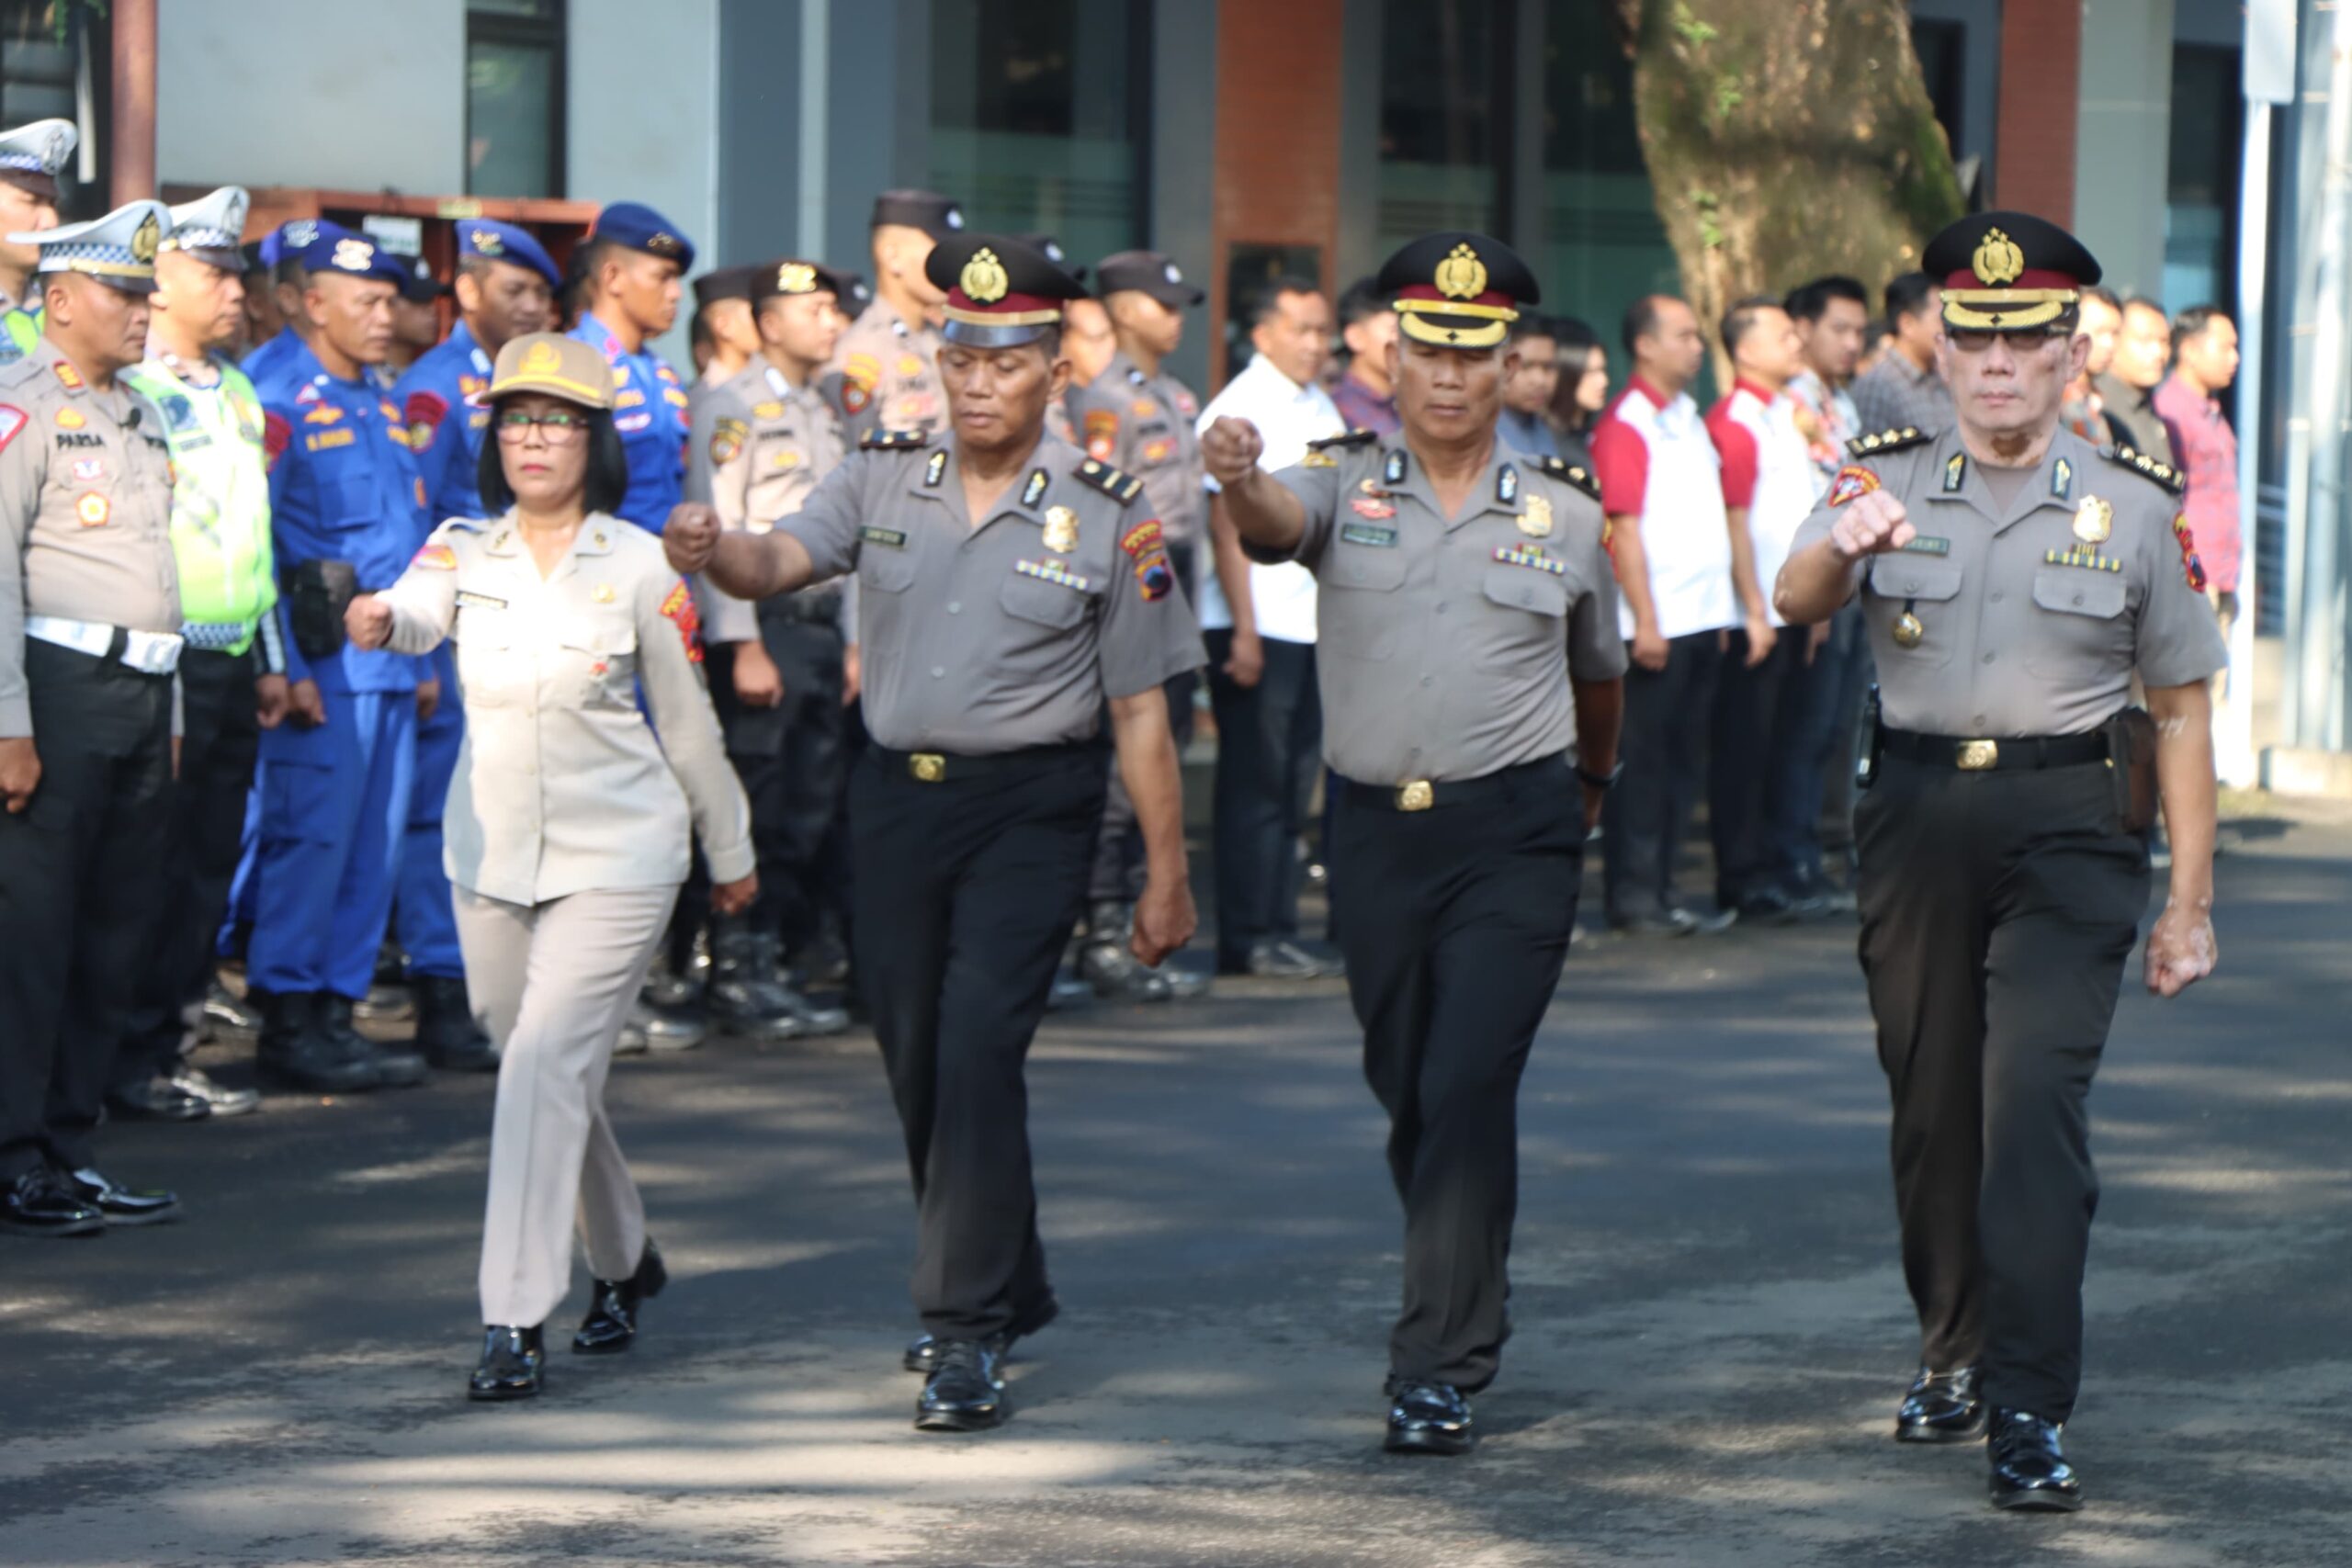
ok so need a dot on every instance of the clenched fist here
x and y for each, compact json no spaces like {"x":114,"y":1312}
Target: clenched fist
{"x":1872,"y":526}
{"x":367,"y":621}
{"x":1230,"y":450}
{"x":691,"y":536}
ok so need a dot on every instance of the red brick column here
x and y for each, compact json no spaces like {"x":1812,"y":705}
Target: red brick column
{"x":2041,"y":90}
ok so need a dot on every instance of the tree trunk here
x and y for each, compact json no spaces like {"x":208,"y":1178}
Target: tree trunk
{"x":1786,"y":139}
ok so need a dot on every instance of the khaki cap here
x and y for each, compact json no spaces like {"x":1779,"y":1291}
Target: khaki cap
{"x":560,"y":366}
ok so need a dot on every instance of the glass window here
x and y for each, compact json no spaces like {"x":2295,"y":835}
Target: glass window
{"x":515,"y":97}
{"x":1597,"y":244}
{"x":1444,"y":120}
{"x":37,"y":81}
{"x":1035,"y":109}
{"x":2201,"y":192}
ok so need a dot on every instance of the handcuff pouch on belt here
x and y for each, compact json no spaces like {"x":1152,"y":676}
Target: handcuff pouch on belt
{"x":317,"y":593}
{"x":2132,"y":754}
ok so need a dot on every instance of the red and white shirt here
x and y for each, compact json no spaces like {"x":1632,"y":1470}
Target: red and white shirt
{"x":1657,"y":465}
{"x":1768,"y":468}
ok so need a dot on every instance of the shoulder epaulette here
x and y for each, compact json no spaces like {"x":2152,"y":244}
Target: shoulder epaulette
{"x":1119,"y":485}
{"x":1573,"y":473}
{"x":2125,"y":456}
{"x":893,"y":441}
{"x":1886,"y":441}
{"x":1356,"y":437}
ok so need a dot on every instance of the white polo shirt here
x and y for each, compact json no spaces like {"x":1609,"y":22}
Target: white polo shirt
{"x":1658,"y":464}
{"x":1768,"y":468}
{"x":1287,"y":416}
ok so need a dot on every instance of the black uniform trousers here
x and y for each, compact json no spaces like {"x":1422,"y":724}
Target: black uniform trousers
{"x":1663,"y":751}
{"x":80,"y":873}
{"x":967,"y":890}
{"x":219,"y":739}
{"x":1998,"y":910}
{"x":1461,"y":922}
{"x":793,"y":761}
{"x":1739,"y":750}
{"x":1269,"y":748}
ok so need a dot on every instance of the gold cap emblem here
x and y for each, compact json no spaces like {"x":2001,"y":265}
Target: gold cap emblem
{"x":1462,"y":276}
{"x":1997,"y":260}
{"x":983,"y":280}
{"x":541,"y":355}
{"x":144,"y":243}
{"x":796,"y":278}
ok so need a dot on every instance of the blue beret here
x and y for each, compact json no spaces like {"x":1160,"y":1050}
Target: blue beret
{"x":287,"y":240}
{"x":641,"y":229}
{"x":503,"y":241}
{"x":340,"y":250}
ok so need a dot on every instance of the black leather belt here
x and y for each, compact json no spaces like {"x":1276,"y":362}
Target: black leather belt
{"x":1425,"y":794}
{"x":945,"y":767}
{"x":2007,"y":753}
{"x":802,"y":609}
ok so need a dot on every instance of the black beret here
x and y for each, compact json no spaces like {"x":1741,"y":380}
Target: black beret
{"x":924,"y":210}
{"x":1147,"y":272}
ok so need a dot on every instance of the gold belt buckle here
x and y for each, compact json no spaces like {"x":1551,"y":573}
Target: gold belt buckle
{"x":1977,"y":756}
{"x":1416,"y":795}
{"x":928,"y":767}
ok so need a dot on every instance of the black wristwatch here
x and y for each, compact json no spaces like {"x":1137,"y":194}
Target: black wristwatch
{"x":1602,"y":781}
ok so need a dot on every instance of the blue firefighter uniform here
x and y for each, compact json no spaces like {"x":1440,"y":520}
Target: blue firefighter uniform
{"x":649,"y":401}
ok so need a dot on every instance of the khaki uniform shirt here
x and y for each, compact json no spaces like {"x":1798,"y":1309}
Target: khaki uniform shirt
{"x":1007,"y":635}
{"x":1445,"y":645}
{"x":85,"y":512}
{"x":561,"y":786}
{"x":1144,"y":424}
{"x":759,"y":446}
{"x":890,"y":372}
{"x":2031,"y":617}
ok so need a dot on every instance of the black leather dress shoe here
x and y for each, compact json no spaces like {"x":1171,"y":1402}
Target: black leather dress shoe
{"x":155,"y":1099}
{"x":223,"y":1008}
{"x":1283,"y":960}
{"x":1942,"y":1407}
{"x":38,"y":1204}
{"x":1428,"y":1418}
{"x":511,"y":1361}
{"x":922,"y":1350}
{"x":610,"y":1324}
{"x":2029,"y":1469}
{"x":966,"y":1390}
{"x":225,"y":1101}
{"x":120,"y":1205}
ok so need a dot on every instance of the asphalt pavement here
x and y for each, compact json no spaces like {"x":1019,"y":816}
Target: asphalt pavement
{"x":1711,"y":1328}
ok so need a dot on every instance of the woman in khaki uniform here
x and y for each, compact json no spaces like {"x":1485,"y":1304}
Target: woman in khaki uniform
{"x":568,"y":825}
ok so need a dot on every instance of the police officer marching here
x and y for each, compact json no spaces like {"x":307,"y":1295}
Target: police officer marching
{"x":1472,"y":679}
{"x":888,"y":356}
{"x":233,"y":668}
{"x":506,"y":288}
{"x":1011,"y":588}
{"x":30,"y":157}
{"x":90,"y":637}
{"x":2004,"y":836}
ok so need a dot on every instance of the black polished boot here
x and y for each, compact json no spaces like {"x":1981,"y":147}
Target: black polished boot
{"x":1428,"y":1418}
{"x":1106,"y":963}
{"x":512,"y":1362}
{"x":121,"y":1205}
{"x":1942,"y":1407}
{"x":297,"y":1051}
{"x":389,"y":1067}
{"x":611,"y":1323}
{"x":445,"y":1030}
{"x":966,"y":1390}
{"x":2030,"y":1469}
{"x":38,"y":1204}
{"x":745,"y":996}
{"x":810,"y":1020}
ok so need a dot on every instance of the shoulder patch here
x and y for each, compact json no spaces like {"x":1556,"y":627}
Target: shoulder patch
{"x":2164,"y":475}
{"x":893,"y":441}
{"x":1575,"y":474}
{"x":12,"y":419}
{"x":1356,"y":437}
{"x":1119,"y":486}
{"x":1880,"y":444}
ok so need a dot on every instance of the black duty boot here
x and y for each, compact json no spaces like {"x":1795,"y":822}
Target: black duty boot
{"x":1942,"y":1407}
{"x":512,"y":1360}
{"x":966,"y":1390}
{"x":1428,"y":1418}
{"x":611,"y":1323}
{"x":390,"y":1066}
{"x":745,"y":995}
{"x":2030,"y":1469}
{"x":810,"y":1020}
{"x":1105,"y":963}
{"x":445,"y":1030}
{"x":298,"y":1051}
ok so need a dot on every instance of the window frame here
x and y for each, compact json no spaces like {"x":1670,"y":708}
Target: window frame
{"x":551,"y":31}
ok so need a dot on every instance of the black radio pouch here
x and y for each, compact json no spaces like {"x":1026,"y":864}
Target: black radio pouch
{"x":2131,"y":756}
{"x":317,"y":593}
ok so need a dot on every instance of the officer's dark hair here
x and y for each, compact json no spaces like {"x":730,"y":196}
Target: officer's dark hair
{"x":2142,"y":302}
{"x":608,"y":466}
{"x":1641,"y":318}
{"x":289,"y":269}
{"x":699,"y":330}
{"x":1810,"y":302}
{"x":1363,"y":298}
{"x":1906,"y":296}
{"x":2193,"y":320}
{"x":1740,"y":320}
{"x":1267,"y":304}
{"x":2105,"y":295}
{"x":1529,"y":325}
{"x":1576,"y":337}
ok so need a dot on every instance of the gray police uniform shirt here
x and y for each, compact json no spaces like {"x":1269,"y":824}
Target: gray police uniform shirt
{"x":2029,"y":625}
{"x":561,"y":786}
{"x":759,"y":444}
{"x":86,"y":514}
{"x":891,"y":371}
{"x":1144,"y":424}
{"x":1446,"y":644}
{"x":1011,"y":635}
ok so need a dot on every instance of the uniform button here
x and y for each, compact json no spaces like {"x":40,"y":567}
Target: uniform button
{"x":1993,"y":597}
{"x":1425,"y":680}
{"x":938,"y":671}
{"x":2078,"y":598}
{"x":1440,"y":607}
{"x":954,"y":607}
{"x":1988,"y":659}
{"x":1979,"y":723}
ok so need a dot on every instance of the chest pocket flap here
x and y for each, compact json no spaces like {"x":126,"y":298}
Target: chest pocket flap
{"x":1903,"y":576}
{"x":2071,"y":591}
{"x":888,"y":567}
{"x":1378,"y":569}
{"x":1527,"y":588}
{"x":1046,"y":603}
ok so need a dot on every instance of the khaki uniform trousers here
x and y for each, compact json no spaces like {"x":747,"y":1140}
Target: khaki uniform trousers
{"x":551,"y":984}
